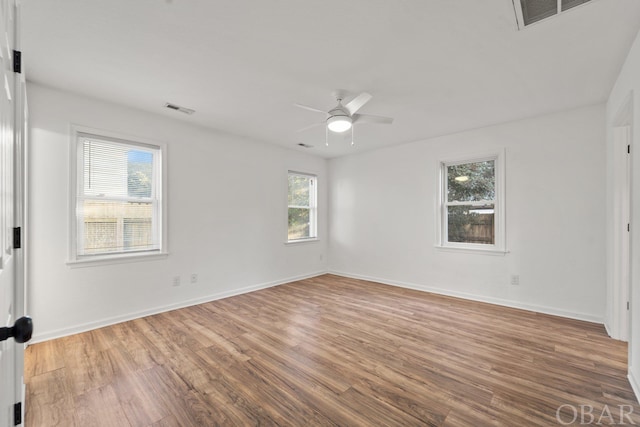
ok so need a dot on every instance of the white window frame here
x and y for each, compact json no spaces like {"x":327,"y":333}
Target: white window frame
{"x":75,"y":259}
{"x":499,"y":246}
{"x":313,"y":208}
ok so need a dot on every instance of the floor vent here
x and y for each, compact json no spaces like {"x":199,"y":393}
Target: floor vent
{"x":531,"y":11}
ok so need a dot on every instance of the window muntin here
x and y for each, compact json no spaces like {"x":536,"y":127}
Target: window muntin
{"x":118,"y":200}
{"x":471,"y":212}
{"x":302,"y":207}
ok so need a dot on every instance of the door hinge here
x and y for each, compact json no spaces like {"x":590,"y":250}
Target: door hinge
{"x":17,"y":61}
{"x":628,"y":227}
{"x":629,"y":149}
{"x":628,"y":305}
{"x":17,"y":414}
{"x":17,"y":237}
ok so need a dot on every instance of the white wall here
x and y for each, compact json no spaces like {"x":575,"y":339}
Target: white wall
{"x":382,"y":216}
{"x":628,"y":85}
{"x":226,"y":209}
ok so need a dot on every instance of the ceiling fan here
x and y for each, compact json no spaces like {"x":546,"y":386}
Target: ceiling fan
{"x":341,"y":118}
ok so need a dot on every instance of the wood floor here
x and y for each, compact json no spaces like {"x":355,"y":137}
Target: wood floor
{"x":333,"y":351}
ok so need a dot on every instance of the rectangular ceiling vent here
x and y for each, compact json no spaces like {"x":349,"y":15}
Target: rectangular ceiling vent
{"x":532,"y":11}
{"x":179,"y":108}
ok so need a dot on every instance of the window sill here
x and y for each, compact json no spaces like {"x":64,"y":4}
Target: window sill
{"x":478,"y":251}
{"x":115,"y":259}
{"x":301,"y":241}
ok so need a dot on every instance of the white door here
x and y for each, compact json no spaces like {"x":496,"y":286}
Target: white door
{"x":12,"y":184}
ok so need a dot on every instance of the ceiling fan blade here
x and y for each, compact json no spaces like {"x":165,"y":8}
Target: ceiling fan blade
{"x":368,"y":118}
{"x":356,"y":103}
{"x":306,"y":107}
{"x":311,"y":126}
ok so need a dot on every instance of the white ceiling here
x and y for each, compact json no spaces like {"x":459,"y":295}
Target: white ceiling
{"x":436,"y":66}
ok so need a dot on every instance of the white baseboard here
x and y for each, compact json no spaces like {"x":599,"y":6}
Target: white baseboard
{"x":480,"y":298}
{"x":58,"y":333}
{"x":635,"y":385}
{"x":39,"y":337}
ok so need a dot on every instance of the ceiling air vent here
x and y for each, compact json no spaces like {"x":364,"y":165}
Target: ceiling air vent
{"x":179,"y":108}
{"x":531,"y":11}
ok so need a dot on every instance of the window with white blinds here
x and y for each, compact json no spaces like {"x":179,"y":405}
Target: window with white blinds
{"x":118,"y":206}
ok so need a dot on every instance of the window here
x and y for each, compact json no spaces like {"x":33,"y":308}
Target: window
{"x":118,"y":198}
{"x":472,"y":203}
{"x":531,"y":11}
{"x":302,"y":212}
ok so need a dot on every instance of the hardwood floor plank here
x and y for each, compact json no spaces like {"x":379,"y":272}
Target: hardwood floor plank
{"x":137,"y":399}
{"x":169,"y":421}
{"x":427,"y":410}
{"x":49,"y":402}
{"x":259,"y":397}
{"x":240,"y":408}
{"x":48,"y":357}
{"x":330,"y":351}
{"x":133,"y":340}
{"x":383,"y":412}
{"x":305,"y":367}
{"x":218,"y":341}
{"x":88,"y":368}
{"x":120,"y":360}
{"x":175,"y":395}
{"x":214,"y":316}
{"x":99,"y":407}
{"x":322,"y":400}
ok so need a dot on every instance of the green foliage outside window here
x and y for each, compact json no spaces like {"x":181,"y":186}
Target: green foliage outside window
{"x":479,"y":185}
{"x":301,"y":195}
{"x":473,"y":183}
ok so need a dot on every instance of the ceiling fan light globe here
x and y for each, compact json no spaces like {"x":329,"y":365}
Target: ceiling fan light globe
{"x":339,"y":123}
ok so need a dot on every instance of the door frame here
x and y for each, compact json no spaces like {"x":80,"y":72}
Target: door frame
{"x":621,"y":251}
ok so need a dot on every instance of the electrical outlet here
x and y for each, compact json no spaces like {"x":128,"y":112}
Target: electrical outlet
{"x":176,"y":280}
{"x":515,"y":279}
{"x":194,"y":277}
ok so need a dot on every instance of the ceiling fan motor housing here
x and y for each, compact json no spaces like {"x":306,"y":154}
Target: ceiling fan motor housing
{"x":339,"y":110}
